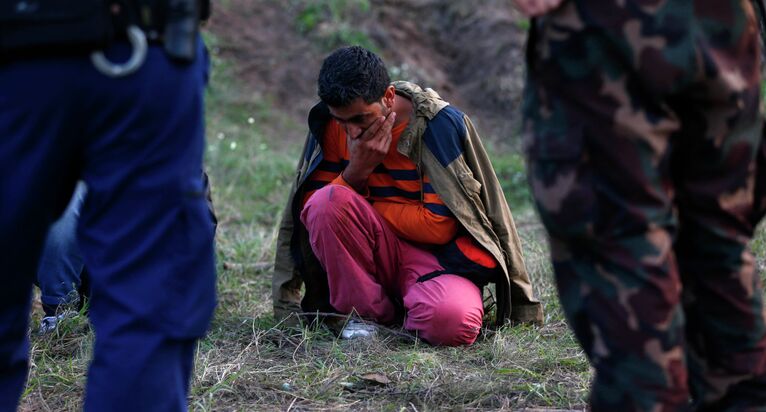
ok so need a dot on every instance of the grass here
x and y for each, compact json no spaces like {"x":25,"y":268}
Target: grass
{"x":249,"y":361}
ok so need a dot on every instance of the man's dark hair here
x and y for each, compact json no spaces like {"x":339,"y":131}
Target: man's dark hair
{"x":349,"y":73}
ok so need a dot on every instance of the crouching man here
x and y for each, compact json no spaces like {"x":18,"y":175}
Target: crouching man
{"x":396,"y":212}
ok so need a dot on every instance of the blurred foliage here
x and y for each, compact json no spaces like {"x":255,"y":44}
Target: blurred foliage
{"x":511,"y":171}
{"x":332,"y":21}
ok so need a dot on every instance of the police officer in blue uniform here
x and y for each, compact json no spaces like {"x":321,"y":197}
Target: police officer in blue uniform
{"x":110,"y":92}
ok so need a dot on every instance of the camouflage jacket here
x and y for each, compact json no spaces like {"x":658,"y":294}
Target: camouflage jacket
{"x":444,"y":145}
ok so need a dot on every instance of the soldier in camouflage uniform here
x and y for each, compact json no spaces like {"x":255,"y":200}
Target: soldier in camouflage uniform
{"x":642,"y":123}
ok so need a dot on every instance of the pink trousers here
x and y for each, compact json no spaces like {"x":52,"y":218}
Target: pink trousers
{"x":368,"y":268}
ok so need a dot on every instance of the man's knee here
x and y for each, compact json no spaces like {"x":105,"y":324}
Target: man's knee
{"x":454,"y":325}
{"x":327,"y":205}
{"x":448,"y":312}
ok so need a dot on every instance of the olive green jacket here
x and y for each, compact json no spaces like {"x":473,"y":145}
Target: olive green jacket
{"x":444,"y":144}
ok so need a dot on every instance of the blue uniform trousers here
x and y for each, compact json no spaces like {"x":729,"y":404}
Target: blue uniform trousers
{"x":61,"y":266}
{"x":144,"y":228}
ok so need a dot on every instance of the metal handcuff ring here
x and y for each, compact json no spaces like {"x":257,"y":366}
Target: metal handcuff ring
{"x":137,"y":40}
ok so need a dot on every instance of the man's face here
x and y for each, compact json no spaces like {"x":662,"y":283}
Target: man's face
{"x":358,"y":116}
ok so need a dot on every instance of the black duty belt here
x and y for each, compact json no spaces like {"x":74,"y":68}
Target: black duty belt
{"x":31,"y":28}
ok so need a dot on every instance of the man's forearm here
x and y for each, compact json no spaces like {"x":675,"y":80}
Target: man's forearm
{"x":533,"y":8}
{"x":356,"y":179}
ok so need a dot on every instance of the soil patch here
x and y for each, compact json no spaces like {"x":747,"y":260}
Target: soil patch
{"x":469,"y":52}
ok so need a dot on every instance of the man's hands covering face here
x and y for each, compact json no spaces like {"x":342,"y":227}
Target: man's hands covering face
{"x":533,"y":8}
{"x":367,"y":151}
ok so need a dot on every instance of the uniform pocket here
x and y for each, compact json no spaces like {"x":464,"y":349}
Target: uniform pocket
{"x":554,"y":142}
{"x":190,"y":283}
{"x":562,"y":182}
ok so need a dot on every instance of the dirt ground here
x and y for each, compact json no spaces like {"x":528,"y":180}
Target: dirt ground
{"x":470,"y":52}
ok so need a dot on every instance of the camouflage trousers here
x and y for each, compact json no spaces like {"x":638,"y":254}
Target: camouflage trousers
{"x":641,"y":128}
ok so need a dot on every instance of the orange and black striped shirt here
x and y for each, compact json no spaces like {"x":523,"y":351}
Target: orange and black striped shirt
{"x":394,"y":189}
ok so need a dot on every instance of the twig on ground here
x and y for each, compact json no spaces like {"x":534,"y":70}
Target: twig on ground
{"x":255,"y":266}
{"x":291,"y":404}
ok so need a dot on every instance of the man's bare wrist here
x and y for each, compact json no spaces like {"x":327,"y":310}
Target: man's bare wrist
{"x":357,"y":184}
